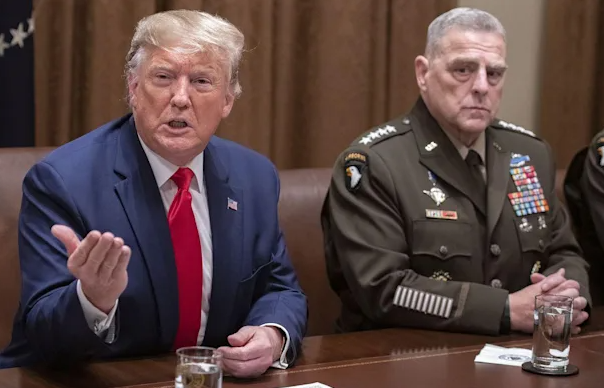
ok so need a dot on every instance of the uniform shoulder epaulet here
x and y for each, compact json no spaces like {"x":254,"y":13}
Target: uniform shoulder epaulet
{"x":386,"y":131}
{"x":500,"y":124}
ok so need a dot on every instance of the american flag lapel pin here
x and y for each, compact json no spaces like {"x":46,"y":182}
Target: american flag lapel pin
{"x":231,"y":204}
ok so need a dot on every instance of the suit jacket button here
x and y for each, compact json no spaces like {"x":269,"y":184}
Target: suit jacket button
{"x":541,"y":244}
{"x":495,"y":250}
{"x":443,"y":250}
{"x":496,"y":283}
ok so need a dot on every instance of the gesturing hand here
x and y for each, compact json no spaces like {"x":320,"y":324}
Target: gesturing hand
{"x":99,"y":261}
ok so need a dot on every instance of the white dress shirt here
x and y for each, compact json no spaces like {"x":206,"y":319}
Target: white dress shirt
{"x":103,"y":324}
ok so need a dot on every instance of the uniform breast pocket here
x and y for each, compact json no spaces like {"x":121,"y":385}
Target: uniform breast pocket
{"x":534,"y":237}
{"x":442,"y":239}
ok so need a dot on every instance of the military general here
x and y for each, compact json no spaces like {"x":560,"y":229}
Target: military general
{"x":446,"y":218}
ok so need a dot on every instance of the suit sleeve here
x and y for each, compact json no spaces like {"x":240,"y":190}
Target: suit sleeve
{"x":365,"y":235}
{"x":281,"y":300}
{"x":52,"y":316}
{"x":564,"y":251}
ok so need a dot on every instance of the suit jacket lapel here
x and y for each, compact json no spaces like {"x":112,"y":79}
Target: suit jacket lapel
{"x":144,"y":208}
{"x":440,"y":156}
{"x":227,"y":247}
{"x":498,"y":166}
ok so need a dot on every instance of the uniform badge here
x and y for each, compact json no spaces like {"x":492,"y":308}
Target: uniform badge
{"x":354,"y":165}
{"x":516,"y":128}
{"x":536,"y":267}
{"x":519,"y":160}
{"x":441,"y":275}
{"x":542,"y":223}
{"x":431,"y":146}
{"x":435,"y":193}
{"x":525,"y":226}
{"x":377,"y":134}
{"x":529,"y":197}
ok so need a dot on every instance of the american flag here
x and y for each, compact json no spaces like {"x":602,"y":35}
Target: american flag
{"x":16,"y":73}
{"x":231,"y":204}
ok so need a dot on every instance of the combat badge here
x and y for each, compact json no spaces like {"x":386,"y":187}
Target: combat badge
{"x":355,"y":163}
{"x":436,"y":193}
{"x":542,"y":223}
{"x":525,"y":226}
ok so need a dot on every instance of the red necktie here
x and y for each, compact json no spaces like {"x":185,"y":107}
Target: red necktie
{"x":187,"y":254}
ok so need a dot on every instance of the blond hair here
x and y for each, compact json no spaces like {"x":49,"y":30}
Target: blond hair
{"x":188,"y":32}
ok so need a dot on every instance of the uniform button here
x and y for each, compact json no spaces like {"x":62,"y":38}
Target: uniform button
{"x":496,"y":283}
{"x":443,"y":250}
{"x":495,"y":250}
{"x":541,"y":244}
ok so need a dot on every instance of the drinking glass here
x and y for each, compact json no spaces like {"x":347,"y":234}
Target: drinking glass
{"x":551,"y":334}
{"x":198,"y":367}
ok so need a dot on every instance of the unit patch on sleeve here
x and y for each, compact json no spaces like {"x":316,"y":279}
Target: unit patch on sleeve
{"x":355,"y":163}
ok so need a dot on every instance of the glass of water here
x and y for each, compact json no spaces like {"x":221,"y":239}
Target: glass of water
{"x":551,"y":335}
{"x":198,"y":367}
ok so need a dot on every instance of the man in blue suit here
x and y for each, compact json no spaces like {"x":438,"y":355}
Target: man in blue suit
{"x":150,"y":233}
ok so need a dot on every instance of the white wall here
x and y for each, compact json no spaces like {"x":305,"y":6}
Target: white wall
{"x":523,"y":21}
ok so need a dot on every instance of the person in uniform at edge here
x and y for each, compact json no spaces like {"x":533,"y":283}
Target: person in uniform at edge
{"x":584,"y":192}
{"x":447,"y":218}
{"x":150,"y":233}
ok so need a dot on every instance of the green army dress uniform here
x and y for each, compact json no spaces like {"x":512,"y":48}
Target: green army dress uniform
{"x":411,"y":242}
{"x":584,"y":191}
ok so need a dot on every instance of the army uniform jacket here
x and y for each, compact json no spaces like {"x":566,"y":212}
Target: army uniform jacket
{"x":409,"y":243}
{"x":584,"y":190}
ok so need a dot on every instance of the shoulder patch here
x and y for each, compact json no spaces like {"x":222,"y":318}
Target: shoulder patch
{"x":355,"y":163}
{"x":383,"y":132}
{"x":513,"y":127}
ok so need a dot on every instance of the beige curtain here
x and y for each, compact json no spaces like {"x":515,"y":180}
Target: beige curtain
{"x":317,"y":72}
{"x":572,"y":83}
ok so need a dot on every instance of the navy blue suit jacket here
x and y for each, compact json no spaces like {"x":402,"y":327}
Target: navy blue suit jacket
{"x":103,"y":181}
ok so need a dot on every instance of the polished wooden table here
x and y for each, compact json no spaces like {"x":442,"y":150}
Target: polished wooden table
{"x":384,"y":358}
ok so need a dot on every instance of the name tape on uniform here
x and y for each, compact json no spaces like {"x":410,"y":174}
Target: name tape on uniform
{"x":441,"y":214}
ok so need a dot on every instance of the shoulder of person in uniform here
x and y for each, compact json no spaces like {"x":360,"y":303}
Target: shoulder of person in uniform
{"x":511,"y":128}
{"x":598,"y":139}
{"x":596,"y":146}
{"x":389,"y":130}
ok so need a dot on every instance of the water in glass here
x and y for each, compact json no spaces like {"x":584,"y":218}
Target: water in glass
{"x":551,"y":336}
{"x":198,"y":375}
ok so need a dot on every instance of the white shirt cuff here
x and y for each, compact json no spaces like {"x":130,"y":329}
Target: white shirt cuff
{"x":282,"y":362}
{"x":98,"y":321}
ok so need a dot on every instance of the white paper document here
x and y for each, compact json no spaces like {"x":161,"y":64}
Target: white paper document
{"x":493,"y":354}
{"x":313,"y":385}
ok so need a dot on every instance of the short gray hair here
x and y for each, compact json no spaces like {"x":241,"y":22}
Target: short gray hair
{"x":188,"y":32}
{"x":464,"y":19}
